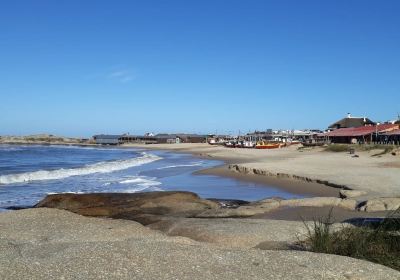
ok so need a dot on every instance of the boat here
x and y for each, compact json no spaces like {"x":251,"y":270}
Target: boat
{"x":266,"y":145}
{"x":230,"y":144}
{"x":249,"y":144}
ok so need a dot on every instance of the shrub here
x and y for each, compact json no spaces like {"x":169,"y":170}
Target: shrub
{"x":379,"y":243}
{"x":337,"y":148}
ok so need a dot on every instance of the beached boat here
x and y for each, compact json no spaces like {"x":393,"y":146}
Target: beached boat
{"x":230,"y":144}
{"x":249,"y":144}
{"x":266,"y":145}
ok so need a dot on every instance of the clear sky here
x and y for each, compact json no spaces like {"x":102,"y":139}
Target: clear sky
{"x":78,"y":68}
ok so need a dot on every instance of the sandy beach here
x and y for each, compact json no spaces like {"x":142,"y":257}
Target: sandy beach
{"x":324,"y":172}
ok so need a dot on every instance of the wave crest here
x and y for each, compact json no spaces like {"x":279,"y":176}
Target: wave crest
{"x":100,"y":167}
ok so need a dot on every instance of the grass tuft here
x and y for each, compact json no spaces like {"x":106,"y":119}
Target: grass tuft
{"x":365,"y":147}
{"x":379,"y":243}
{"x":337,"y":148}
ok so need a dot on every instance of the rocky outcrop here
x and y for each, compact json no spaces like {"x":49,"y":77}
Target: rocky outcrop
{"x":351,"y":193}
{"x":243,"y":233}
{"x":54,"y":244}
{"x":349,"y":204}
{"x":256,"y":171}
{"x":127,"y":206}
{"x":266,"y":205}
{"x":152,"y":207}
{"x":380,"y":204}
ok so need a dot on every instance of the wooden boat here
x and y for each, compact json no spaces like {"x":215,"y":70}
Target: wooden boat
{"x":266,"y":145}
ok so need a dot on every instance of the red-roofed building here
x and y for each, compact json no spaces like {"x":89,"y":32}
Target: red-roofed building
{"x":362,"y":134}
{"x":392,"y":137}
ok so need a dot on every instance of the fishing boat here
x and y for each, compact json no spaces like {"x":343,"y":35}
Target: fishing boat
{"x":230,"y":144}
{"x":249,"y":144}
{"x":266,"y":145}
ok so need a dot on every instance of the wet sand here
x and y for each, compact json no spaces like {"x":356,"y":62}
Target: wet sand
{"x":293,"y":186}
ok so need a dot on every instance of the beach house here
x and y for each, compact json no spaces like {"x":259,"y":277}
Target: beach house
{"x":361,"y":134}
{"x":350,"y":122}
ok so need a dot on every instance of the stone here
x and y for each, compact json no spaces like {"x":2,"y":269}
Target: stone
{"x":312,"y":202}
{"x":351,"y":193}
{"x":349,"y":204}
{"x":380,"y":204}
{"x":127,"y":206}
{"x":54,"y":244}
{"x":243,"y":233}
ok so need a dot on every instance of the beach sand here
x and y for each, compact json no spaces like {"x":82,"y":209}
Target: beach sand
{"x":377,"y":176}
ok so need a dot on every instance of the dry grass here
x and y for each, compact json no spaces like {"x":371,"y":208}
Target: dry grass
{"x":379,"y":243}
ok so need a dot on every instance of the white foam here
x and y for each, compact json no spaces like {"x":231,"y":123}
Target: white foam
{"x":101,"y":167}
{"x":142,"y":181}
{"x":8,"y":148}
{"x":181,"y":165}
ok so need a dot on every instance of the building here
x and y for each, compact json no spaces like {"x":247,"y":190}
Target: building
{"x":126,"y":138}
{"x":391,"y":137}
{"x":164,"y":138}
{"x":106,"y":139}
{"x":259,"y":135}
{"x":192,"y":138}
{"x":180,"y":138}
{"x":362,"y":134}
{"x":349,"y":122}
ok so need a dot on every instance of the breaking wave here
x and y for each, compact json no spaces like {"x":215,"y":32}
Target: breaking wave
{"x":180,"y":165}
{"x":100,"y":167}
{"x":142,"y":181}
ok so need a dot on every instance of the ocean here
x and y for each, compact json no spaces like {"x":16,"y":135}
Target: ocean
{"x":29,"y":172}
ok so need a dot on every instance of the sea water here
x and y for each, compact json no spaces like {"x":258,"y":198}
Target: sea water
{"x":29,"y":172}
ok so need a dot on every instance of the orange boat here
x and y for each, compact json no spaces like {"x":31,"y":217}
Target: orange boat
{"x":265,"y":145}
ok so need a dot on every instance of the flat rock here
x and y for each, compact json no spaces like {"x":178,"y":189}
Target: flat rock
{"x":320,"y":202}
{"x":54,"y":244}
{"x":245,"y":233}
{"x":127,"y":206}
{"x":351,"y":193}
{"x":380,"y":204}
{"x":240,"y":212}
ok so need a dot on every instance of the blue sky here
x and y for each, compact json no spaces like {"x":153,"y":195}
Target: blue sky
{"x":84,"y":67}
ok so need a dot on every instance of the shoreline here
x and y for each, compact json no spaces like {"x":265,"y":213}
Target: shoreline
{"x":374,"y":177}
{"x":291,"y":185}
{"x":267,"y":167}
{"x":294,"y":186}
{"x":308,"y":189}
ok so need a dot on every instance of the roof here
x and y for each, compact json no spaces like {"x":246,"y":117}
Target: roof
{"x":107,"y":136}
{"x":351,"y":122}
{"x":165,"y":136}
{"x":361,"y":131}
{"x":183,"y":135}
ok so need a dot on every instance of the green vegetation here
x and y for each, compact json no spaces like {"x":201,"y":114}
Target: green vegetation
{"x":379,"y":243}
{"x":338,"y":148}
{"x":360,"y":147}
